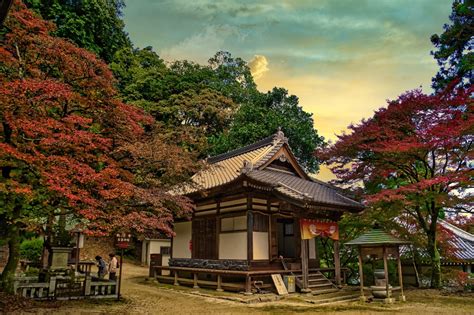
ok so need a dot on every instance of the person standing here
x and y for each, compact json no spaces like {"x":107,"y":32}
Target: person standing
{"x":113,"y":267}
{"x":102,"y":267}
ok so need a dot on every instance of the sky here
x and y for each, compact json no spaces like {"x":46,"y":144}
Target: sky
{"x":342,"y":58}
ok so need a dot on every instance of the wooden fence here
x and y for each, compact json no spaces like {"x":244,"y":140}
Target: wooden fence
{"x":65,"y":288}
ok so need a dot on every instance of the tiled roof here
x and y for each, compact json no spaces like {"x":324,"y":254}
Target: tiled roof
{"x":224,"y":168}
{"x":302,"y":189}
{"x":250,"y":161}
{"x":461,"y":240}
{"x":376,"y":236}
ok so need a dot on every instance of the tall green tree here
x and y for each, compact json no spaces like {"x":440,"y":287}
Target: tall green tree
{"x":262,"y":116}
{"x":196,"y":100}
{"x":95,"y":25}
{"x":454,"y":46}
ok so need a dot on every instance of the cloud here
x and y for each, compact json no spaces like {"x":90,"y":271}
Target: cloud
{"x":258,"y":66}
{"x":201,"y":46}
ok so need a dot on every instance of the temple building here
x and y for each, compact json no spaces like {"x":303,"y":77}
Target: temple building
{"x":258,"y":211}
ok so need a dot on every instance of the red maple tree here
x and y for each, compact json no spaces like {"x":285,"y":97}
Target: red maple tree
{"x":69,"y":146}
{"x":413,"y":156}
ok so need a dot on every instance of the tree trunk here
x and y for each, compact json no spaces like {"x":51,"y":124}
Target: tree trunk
{"x":8,"y":273}
{"x":435,"y":259}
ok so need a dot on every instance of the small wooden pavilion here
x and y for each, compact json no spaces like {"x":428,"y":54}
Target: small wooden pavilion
{"x":378,"y":244}
{"x":251,"y":205}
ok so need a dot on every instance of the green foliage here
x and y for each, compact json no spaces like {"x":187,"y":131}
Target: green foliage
{"x":32,"y":249}
{"x":95,"y":25}
{"x":140,"y":74}
{"x":263,"y":116}
{"x":454,"y":47}
{"x":31,"y":272}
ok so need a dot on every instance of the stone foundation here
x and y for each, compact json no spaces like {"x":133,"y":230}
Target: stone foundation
{"x":223,"y":264}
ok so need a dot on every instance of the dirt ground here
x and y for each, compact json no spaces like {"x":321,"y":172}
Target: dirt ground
{"x":142,"y":297}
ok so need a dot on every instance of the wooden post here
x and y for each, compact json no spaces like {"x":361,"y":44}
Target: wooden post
{"x":316,"y":253}
{"x":87,"y":285}
{"x":385,"y":267}
{"x":400,"y":276}
{"x":361,"y":276}
{"x":195,"y":286}
{"x":219,"y":283}
{"x":337,"y":263}
{"x":77,"y":252}
{"x":304,"y":266}
{"x":248,"y":285}
{"x":176,"y":278}
{"x":120,"y":274}
{"x":249,"y":235}
{"x":52,"y":287}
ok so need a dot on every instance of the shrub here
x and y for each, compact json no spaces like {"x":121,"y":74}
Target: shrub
{"x":31,"y":249}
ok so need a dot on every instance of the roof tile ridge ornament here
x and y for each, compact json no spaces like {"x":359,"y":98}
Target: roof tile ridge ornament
{"x":247,"y":167}
{"x":279,"y":136}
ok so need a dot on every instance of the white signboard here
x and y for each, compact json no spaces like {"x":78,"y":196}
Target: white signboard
{"x":279,"y":284}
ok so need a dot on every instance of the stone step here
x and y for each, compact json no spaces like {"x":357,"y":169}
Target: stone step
{"x":329,"y":295}
{"x":334,"y":299}
{"x":324,"y":291}
{"x":348,"y":300}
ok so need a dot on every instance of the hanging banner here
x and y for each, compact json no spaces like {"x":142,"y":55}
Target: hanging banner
{"x":312,"y":228}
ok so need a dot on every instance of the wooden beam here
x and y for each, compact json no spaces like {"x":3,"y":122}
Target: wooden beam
{"x":337,"y":263}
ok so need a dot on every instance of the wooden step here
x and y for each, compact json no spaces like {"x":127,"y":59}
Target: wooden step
{"x":318,"y":280}
{"x":325,"y":291}
{"x":321,"y":285}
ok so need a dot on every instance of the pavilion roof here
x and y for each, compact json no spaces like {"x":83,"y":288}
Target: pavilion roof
{"x":376,"y":237}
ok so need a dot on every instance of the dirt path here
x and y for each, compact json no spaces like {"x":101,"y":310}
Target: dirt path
{"x":140,"y":297}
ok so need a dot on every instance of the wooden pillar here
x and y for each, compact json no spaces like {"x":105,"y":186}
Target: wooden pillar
{"x":337,"y":263}
{"x":219,"y":283}
{"x":316,"y":253}
{"x":304,"y":266}
{"x":176,"y":278}
{"x":249,"y":236}
{"x":195,"y":282}
{"x":385,"y":268}
{"x":400,"y":276}
{"x":248,"y":285}
{"x":361,"y":276}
